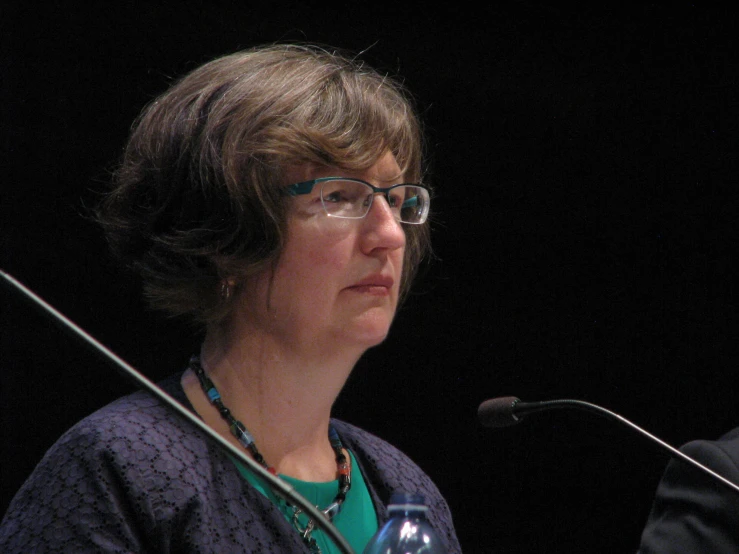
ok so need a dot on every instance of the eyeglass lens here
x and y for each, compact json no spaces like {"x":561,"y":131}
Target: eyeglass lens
{"x":352,"y":200}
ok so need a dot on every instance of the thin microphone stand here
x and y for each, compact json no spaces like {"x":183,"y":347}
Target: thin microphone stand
{"x":280,"y":487}
{"x":532,"y":407}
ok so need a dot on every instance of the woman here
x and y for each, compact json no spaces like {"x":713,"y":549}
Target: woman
{"x":258,"y":197}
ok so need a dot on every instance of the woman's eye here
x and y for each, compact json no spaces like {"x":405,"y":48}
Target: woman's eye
{"x":335,"y":197}
{"x":341,"y":196}
{"x":395,"y":200}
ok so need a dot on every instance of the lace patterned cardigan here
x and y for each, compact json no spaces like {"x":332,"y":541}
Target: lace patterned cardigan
{"x":135,"y":477}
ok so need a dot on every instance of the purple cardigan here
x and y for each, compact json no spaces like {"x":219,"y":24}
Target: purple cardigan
{"x":136,"y":477}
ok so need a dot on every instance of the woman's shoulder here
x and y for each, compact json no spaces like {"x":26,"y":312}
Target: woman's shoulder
{"x":385,"y":462}
{"x":387,"y":470}
{"x":138,"y":421}
{"x":135,"y":475}
{"x":133,"y":436}
{"x":357,"y":438}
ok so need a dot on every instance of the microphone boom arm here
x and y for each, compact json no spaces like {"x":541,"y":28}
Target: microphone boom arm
{"x":500,"y":412}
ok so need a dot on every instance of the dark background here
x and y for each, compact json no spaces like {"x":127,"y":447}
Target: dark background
{"x":585,"y":227}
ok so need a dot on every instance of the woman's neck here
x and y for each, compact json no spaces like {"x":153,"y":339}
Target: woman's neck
{"x":284,"y":399}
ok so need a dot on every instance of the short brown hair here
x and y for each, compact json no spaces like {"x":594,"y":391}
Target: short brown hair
{"x":196,"y":196}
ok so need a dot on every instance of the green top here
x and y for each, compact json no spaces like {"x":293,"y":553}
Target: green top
{"x":357,"y":521}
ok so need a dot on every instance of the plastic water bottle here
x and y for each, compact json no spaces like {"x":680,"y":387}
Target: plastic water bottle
{"x":407,"y":531}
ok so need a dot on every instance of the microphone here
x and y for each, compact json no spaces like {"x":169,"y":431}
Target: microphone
{"x":509,"y":410}
{"x":278,"y":486}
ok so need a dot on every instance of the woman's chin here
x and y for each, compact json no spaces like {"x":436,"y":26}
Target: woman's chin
{"x":369,"y":330}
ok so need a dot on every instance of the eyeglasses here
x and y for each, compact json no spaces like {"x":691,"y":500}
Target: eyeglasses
{"x":349,"y":198}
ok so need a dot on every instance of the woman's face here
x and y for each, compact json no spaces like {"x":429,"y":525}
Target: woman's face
{"x":337,"y":280}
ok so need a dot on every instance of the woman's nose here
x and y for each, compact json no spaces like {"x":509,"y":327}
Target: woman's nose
{"x":382,"y":229}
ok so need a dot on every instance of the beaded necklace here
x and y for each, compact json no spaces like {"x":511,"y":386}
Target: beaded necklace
{"x":242,"y":434}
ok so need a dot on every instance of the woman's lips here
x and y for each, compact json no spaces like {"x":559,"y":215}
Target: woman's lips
{"x":377,"y":285}
{"x":376,"y":290}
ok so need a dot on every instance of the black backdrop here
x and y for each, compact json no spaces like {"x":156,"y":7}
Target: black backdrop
{"x":585,"y":229}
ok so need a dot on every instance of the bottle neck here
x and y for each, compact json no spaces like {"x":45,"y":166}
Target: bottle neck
{"x":408,"y":511}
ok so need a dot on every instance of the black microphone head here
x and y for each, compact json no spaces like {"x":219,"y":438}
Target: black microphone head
{"x":498,"y":412}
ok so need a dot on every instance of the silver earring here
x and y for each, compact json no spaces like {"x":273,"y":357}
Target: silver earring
{"x":225,"y":290}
